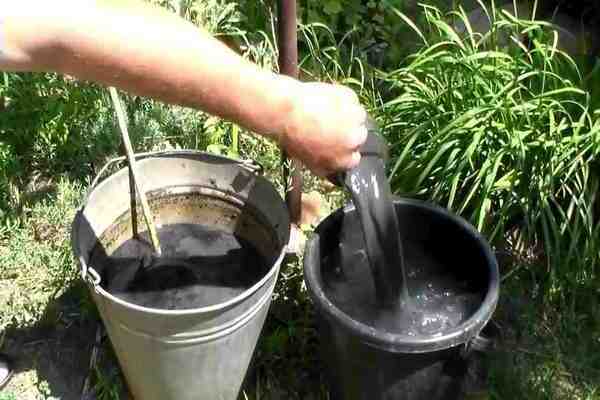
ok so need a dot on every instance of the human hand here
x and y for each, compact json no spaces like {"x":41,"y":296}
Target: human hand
{"x":325,"y":127}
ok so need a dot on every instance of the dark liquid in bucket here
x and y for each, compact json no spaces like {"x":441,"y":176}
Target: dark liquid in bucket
{"x":437,"y":300}
{"x":200,"y":266}
{"x":385,"y":282}
{"x":372,"y":198}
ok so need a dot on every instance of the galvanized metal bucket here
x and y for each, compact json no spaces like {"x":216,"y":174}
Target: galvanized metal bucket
{"x":198,"y":353}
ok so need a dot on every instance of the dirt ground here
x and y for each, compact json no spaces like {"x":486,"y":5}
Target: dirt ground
{"x":52,"y":357}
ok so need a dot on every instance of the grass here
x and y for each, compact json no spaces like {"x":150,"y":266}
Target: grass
{"x":505,"y":134}
{"x":501,"y":127}
{"x":35,"y":257}
{"x":548,"y":351}
{"x":498,"y":127}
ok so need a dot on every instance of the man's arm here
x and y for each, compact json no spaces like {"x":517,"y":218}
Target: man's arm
{"x":149,"y":52}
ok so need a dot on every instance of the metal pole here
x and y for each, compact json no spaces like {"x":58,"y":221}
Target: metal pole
{"x":288,"y":65}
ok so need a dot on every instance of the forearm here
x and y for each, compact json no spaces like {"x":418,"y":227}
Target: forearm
{"x":148,"y":52}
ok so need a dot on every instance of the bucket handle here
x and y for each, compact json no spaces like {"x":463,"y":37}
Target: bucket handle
{"x":251,"y":165}
{"x":483,"y":342}
{"x":89,"y":274}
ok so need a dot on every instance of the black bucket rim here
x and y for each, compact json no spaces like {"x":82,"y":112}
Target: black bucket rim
{"x":393,"y":342}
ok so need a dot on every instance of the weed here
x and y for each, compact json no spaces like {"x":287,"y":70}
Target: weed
{"x":35,"y":257}
{"x":106,"y":387}
{"x":496,"y":127}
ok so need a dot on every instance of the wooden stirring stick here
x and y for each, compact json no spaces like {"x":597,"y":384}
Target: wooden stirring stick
{"x":134,"y":173}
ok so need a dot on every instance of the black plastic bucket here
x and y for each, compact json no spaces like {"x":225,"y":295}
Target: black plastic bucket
{"x":365,"y":363}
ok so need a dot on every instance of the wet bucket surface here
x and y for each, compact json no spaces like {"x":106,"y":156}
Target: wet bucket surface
{"x":368,"y":361}
{"x":197,"y":344}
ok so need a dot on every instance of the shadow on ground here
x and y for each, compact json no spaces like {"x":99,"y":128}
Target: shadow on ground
{"x":52,"y":357}
{"x":544,"y":352}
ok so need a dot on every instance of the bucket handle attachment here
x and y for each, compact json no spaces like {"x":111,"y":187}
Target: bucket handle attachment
{"x":483,"y":342}
{"x":89,"y":274}
{"x":251,"y":165}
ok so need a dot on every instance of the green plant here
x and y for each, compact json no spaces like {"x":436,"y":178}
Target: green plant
{"x":8,"y":167}
{"x":107,"y":387}
{"x":496,"y":127}
{"x":46,"y":119}
{"x":36,"y":263}
{"x":379,"y":36}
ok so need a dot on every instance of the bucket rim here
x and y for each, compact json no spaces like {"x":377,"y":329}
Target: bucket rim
{"x":94,"y":281}
{"x":394,"y":342}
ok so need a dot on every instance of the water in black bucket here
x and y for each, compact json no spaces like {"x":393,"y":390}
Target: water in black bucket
{"x":390,"y":284}
{"x":200,"y":266}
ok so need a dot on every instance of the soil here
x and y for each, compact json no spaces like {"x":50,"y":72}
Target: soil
{"x":52,"y":357}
